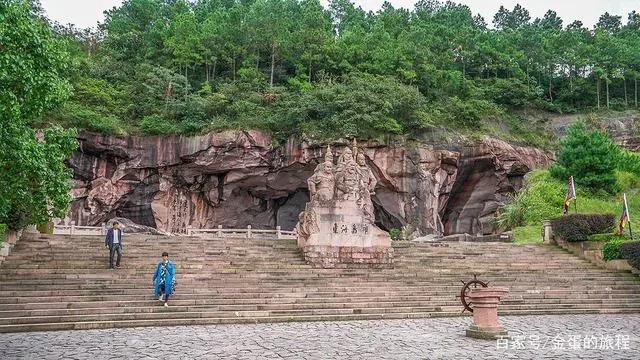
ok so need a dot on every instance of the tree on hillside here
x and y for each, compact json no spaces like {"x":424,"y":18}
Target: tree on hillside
{"x":215,"y":40}
{"x":136,"y":31}
{"x":590,"y":156}
{"x":272,"y":24}
{"x":34,"y":182}
{"x":184,"y":42}
{"x":312,"y":37}
{"x":511,"y":20}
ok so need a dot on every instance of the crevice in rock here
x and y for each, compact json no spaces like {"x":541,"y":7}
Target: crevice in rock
{"x":474,"y":187}
{"x":287,"y":209}
{"x":220,"y":186}
{"x":136,"y":205}
{"x":383,"y":219}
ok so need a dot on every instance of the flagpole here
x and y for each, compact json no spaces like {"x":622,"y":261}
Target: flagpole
{"x":628,"y":215}
{"x":575,"y":196}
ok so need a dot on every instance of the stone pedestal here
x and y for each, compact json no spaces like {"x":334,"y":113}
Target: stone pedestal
{"x":485,"y":312}
{"x":339,"y":234}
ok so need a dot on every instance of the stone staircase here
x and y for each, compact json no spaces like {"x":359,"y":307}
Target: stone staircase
{"x":56,"y":282}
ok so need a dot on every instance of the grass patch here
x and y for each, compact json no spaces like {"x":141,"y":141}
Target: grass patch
{"x":527,"y":234}
{"x":609,"y":237}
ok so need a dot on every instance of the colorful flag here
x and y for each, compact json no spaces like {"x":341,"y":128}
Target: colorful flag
{"x":571,"y":195}
{"x":624,"y":218}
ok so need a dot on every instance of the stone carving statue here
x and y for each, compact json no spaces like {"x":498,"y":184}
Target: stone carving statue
{"x":350,"y":179}
{"x":347,"y":182}
{"x":367,"y":179}
{"x":322,"y":183}
{"x":307,"y":223}
{"x":366,"y":187}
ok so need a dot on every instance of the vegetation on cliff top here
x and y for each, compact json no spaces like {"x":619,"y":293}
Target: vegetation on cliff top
{"x":292,"y":67}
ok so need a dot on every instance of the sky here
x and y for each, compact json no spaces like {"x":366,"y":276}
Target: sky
{"x":86,"y":13}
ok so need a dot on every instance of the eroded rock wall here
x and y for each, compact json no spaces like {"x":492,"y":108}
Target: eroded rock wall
{"x":240,"y":178}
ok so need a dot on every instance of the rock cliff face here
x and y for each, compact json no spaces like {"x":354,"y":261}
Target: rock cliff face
{"x":239,"y":178}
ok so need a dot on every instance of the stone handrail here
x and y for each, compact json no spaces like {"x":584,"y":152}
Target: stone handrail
{"x":73,"y":229}
{"x":248,"y":233}
{"x":219,"y":232}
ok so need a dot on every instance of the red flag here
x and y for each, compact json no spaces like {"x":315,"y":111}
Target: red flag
{"x":624,"y":217}
{"x":571,"y":195}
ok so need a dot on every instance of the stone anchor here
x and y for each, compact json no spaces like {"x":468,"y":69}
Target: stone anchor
{"x":337,"y":226}
{"x":485,"y":301}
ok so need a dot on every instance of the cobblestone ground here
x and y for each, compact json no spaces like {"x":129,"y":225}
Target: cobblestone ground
{"x":532,"y":337}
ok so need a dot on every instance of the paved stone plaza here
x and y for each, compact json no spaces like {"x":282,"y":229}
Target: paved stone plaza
{"x":532,"y":337}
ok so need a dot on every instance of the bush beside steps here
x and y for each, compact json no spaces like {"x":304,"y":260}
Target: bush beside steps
{"x":578,"y":227}
{"x":631,"y":252}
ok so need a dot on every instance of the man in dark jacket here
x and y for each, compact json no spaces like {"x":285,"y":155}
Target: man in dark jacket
{"x":114,"y":242}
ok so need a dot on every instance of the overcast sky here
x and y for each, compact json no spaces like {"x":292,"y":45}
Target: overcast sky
{"x":86,"y":13}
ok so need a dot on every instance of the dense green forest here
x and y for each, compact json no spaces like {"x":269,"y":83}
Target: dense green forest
{"x":295,"y":67}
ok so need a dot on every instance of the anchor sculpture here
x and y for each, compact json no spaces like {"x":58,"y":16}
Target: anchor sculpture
{"x":481,"y":300}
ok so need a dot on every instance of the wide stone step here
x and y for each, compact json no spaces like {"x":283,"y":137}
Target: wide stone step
{"x":61,"y":282}
{"x":217,"y":289}
{"x":232,"y":306}
{"x":115,"y":301}
{"x":76,"y":281}
{"x":236,"y":320}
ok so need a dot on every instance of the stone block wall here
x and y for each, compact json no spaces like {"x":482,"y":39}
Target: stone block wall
{"x":592,"y":251}
{"x":349,"y":256}
{"x":10,"y":240}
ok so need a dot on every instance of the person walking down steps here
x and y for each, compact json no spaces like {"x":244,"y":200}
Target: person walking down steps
{"x":114,"y":242}
{"x":164,"y":279}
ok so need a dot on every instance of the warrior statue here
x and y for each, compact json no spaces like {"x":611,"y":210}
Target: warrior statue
{"x":347,"y":176}
{"x":366,"y":187}
{"x":322,"y":182}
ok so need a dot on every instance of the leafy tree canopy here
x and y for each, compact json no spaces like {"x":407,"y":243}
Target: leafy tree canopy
{"x":34,"y":181}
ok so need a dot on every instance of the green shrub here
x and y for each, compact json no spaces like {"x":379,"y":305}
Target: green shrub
{"x":628,"y":180}
{"x":511,"y":214}
{"x":631,"y":252}
{"x":590,"y":156}
{"x":469,"y":114}
{"x":96,"y":92}
{"x":629,"y":162}
{"x":156,"y":125}
{"x":611,"y":250}
{"x":359,"y":105}
{"x":512,"y":93}
{"x":89,"y":118}
{"x":395,"y":234}
{"x":578,"y":227}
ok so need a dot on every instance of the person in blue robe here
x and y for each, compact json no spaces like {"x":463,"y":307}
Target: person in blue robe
{"x":164,"y":279}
